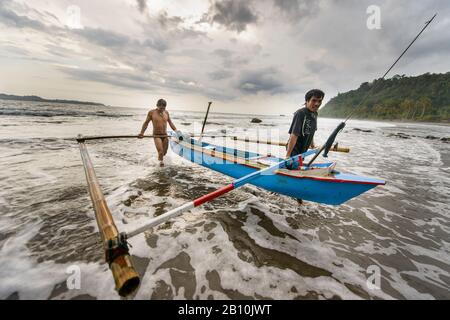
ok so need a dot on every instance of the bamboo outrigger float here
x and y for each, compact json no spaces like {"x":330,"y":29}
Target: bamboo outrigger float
{"x":114,"y":243}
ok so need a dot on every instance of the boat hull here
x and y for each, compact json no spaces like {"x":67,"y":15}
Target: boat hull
{"x":334,"y":189}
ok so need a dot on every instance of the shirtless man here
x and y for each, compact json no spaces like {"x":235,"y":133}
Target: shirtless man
{"x":159,"y":118}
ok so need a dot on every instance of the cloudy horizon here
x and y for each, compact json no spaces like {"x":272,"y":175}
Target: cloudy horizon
{"x":246,"y":56}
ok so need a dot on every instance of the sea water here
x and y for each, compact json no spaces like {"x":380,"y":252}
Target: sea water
{"x":390,"y":243}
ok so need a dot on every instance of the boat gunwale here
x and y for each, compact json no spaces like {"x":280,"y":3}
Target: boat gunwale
{"x":259,"y":166}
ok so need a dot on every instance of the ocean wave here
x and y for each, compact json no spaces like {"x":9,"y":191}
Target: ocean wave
{"x":59,"y":113}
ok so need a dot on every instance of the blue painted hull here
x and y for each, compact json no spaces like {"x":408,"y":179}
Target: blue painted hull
{"x":333,"y":190}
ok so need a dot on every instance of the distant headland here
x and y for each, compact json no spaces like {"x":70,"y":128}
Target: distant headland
{"x":39,"y":99}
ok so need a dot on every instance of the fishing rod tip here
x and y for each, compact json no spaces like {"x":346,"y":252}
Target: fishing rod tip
{"x":432,"y":18}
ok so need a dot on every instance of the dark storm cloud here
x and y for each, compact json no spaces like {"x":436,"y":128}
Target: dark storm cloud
{"x":223,"y":53}
{"x":296,"y":10}
{"x":169,"y":22}
{"x":234,"y":15}
{"x":127,"y":79}
{"x":104,"y":38}
{"x":318,"y":66}
{"x":156,"y":40}
{"x":265,"y":80}
{"x":11,"y":19}
{"x":22,"y":52}
{"x":220,"y":75}
{"x":160,"y":44}
{"x":167,"y":31}
{"x":119,"y":79}
{"x":143,"y":81}
{"x":231,"y":60}
{"x":142,"y":5}
{"x":59,"y":51}
{"x":435,"y":41}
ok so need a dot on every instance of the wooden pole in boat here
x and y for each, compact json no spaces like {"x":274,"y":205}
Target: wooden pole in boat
{"x":335,"y":148}
{"x":115,"y":245}
{"x":208,"y":197}
{"x":283,"y":144}
{"x":204,"y":121}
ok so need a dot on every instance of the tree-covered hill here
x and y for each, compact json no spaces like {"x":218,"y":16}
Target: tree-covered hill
{"x":422,"y":98}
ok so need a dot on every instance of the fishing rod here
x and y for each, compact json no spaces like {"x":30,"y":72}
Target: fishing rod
{"x":341,"y":126}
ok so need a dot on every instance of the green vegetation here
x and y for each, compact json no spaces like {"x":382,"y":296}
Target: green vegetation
{"x":421,"y":98}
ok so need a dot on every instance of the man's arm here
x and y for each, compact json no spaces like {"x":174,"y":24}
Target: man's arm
{"x":145,"y":125}
{"x":295,"y":131}
{"x":291,"y":144}
{"x":171,"y":123}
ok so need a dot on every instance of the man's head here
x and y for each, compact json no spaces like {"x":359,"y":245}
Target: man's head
{"x":313,"y":99}
{"x":161,"y":104}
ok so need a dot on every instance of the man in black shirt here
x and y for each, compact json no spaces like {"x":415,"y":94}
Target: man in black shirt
{"x":304,"y":124}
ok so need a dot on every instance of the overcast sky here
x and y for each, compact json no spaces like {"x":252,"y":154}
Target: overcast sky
{"x":257,"y":56}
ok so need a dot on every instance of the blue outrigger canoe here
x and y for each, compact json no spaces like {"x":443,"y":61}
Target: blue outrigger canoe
{"x":319,"y":183}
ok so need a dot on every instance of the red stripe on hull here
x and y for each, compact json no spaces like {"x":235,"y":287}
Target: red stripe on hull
{"x":331,"y":180}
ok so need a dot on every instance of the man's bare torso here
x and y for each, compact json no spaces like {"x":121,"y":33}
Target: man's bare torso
{"x":159,"y":121}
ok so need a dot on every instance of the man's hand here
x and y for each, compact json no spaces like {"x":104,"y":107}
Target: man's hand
{"x":140,"y":135}
{"x":291,"y":144}
{"x":289,"y":163}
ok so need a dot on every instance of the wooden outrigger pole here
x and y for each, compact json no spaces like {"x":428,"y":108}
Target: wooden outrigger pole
{"x":335,"y":148}
{"x":283,"y":144}
{"x":114,"y":243}
{"x":82,"y":139}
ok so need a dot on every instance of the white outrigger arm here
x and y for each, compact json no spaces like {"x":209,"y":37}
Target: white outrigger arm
{"x":210,"y":196}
